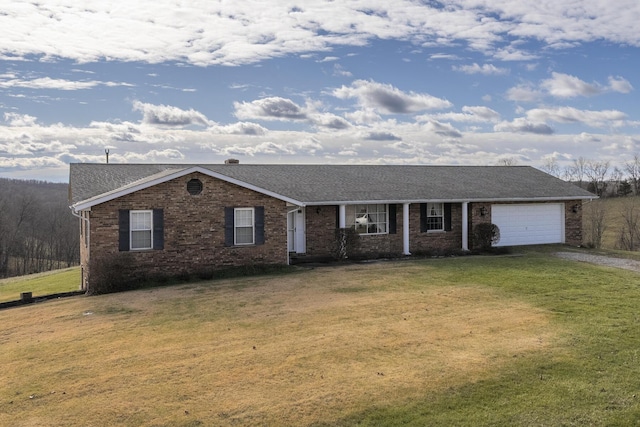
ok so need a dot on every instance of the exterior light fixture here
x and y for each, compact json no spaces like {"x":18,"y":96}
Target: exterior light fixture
{"x":483,"y":211}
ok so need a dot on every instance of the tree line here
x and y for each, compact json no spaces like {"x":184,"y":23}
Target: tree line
{"x":37,"y":231}
{"x":599,"y":176}
{"x":606,"y":180}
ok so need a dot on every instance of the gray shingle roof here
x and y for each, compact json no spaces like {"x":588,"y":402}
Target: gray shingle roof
{"x":317,"y":184}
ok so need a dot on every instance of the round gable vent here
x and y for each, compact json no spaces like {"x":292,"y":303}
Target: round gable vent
{"x":194,"y":187}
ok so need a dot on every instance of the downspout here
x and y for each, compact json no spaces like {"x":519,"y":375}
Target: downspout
{"x":88,"y":240}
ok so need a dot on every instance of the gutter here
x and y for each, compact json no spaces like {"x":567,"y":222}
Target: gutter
{"x":469,"y":200}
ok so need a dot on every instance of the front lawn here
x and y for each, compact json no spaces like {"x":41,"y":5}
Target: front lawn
{"x":519,"y":340}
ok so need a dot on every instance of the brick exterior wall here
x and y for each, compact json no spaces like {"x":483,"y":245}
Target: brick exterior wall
{"x":573,"y":223}
{"x":194,"y":228}
{"x":435,"y":242}
{"x":321,"y":226}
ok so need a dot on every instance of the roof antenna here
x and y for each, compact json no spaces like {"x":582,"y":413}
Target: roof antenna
{"x":106,"y":151}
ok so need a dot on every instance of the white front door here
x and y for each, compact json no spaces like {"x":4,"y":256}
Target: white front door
{"x":296,"y":236}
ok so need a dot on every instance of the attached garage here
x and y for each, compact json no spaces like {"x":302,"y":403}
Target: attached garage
{"x":529,"y":224}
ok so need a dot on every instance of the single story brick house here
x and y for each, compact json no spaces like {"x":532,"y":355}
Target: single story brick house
{"x":175,"y":218}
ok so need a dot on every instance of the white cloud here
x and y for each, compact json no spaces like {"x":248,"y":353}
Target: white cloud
{"x":522,"y":125}
{"x":364,"y":116}
{"x":386,"y":99}
{"x":165,"y":115}
{"x":240,"y":128}
{"x":566,"y":86}
{"x":15,"y":119}
{"x":57,"y":84}
{"x":282,"y":109}
{"x":329,"y":121}
{"x":524,"y":92}
{"x":573,"y":115}
{"x":619,"y":84}
{"x":234,"y":33}
{"x":477,"y":114}
{"x":442,"y":129}
{"x":272,"y":108}
{"x":338,"y":70}
{"x":486,"y":69}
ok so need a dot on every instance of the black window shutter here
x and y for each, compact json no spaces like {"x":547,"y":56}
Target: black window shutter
{"x":123,"y":230}
{"x":158,"y":229}
{"x":228,"y":227}
{"x":447,"y":217}
{"x":423,"y":217}
{"x":337,"y":217}
{"x":259,"y":224}
{"x":392,"y":219}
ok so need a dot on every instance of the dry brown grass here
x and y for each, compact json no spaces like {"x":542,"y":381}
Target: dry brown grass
{"x":309,"y":347}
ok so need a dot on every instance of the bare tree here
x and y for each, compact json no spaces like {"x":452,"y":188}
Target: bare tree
{"x":37,"y":231}
{"x":507,"y":161}
{"x":596,"y":214}
{"x":629,"y":238}
{"x":550,"y":166}
{"x":632,"y":168}
{"x":596,"y":172}
{"x":615,"y":179}
{"x":575,"y":171}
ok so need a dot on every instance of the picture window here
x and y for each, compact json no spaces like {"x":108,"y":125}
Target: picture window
{"x":369,"y":219}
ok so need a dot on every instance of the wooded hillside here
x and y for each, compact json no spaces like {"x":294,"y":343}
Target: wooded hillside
{"x":37,"y":230}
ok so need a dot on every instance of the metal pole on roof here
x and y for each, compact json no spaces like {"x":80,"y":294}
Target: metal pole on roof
{"x":106,"y":151}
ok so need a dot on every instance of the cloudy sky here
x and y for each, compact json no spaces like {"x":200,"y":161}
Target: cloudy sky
{"x":363,"y":81}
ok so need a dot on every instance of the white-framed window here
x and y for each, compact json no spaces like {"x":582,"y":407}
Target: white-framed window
{"x":435,"y":216}
{"x":141,"y":230}
{"x":243,"y":226}
{"x":369,"y":219}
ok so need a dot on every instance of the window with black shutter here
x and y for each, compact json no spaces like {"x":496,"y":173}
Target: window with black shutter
{"x":140,"y":230}
{"x":244,"y":226}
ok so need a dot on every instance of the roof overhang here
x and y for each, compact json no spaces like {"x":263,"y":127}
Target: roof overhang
{"x":168,"y":175}
{"x":440,"y":200}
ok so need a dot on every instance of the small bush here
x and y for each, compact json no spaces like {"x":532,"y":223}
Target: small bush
{"x":111,"y":274}
{"x":346,"y":243}
{"x":485,"y":235}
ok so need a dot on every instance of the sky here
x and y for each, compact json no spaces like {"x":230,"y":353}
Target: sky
{"x":468,"y":82}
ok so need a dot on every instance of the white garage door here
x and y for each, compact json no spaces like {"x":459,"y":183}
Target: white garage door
{"x":530,"y":224}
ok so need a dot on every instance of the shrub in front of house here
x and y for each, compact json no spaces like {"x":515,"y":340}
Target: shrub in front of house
{"x":485,"y":235}
{"x":112,"y":273}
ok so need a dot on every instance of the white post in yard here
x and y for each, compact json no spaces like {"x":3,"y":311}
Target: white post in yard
{"x":405,"y":229}
{"x":465,"y":226}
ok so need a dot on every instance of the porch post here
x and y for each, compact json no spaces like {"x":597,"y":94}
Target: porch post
{"x":342,"y":216}
{"x":465,"y":226}
{"x":405,"y":229}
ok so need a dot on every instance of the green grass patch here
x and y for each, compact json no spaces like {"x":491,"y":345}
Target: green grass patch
{"x":51,"y":282}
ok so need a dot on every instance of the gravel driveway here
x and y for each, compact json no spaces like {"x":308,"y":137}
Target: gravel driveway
{"x":627,"y":264}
